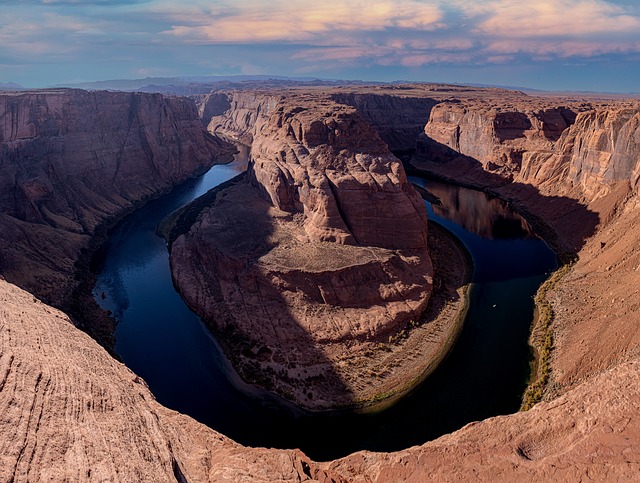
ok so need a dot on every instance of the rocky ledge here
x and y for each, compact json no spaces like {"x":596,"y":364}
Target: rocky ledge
{"x":316,"y":265}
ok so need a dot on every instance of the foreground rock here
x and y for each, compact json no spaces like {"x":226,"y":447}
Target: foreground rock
{"x":317,"y":263}
{"x":68,"y":411}
{"x":73,"y":161}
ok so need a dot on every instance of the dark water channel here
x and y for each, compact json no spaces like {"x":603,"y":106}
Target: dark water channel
{"x":160,"y":339}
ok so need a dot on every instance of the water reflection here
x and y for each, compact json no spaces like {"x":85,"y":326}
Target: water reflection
{"x":477,"y":212}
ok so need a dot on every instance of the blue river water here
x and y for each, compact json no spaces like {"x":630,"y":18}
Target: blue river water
{"x":163,"y":341}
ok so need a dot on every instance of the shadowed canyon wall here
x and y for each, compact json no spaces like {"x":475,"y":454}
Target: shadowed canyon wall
{"x":71,"y":161}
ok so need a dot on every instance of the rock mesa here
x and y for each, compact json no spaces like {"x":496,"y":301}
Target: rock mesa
{"x":321,"y":256}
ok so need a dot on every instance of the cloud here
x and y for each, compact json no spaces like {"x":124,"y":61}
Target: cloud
{"x":555,"y":18}
{"x":53,"y":3}
{"x":302,"y":21}
{"x":419,"y":60}
{"x":317,"y":36}
{"x":550,"y":49}
{"x":414,"y":32}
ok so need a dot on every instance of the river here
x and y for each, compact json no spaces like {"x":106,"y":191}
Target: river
{"x":160,"y":339}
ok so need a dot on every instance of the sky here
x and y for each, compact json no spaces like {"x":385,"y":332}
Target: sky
{"x":589,"y":45}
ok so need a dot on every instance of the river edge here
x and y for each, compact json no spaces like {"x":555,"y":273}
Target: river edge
{"x":80,"y":304}
{"x":541,"y":333}
{"x":402,"y":355}
{"x":451,"y":318}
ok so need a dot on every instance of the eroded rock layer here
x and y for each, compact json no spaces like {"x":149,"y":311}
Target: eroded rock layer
{"x":71,"y":161}
{"x":321,"y":256}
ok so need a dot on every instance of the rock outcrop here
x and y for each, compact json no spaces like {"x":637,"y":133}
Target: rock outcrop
{"x":72,"y":161}
{"x":326,"y":208}
{"x":498,"y":134}
{"x":68,"y":411}
{"x":592,"y":430}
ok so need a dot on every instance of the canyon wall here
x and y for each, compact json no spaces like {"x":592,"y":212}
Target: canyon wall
{"x":237,"y":114}
{"x":326,"y":206}
{"x":497,"y":133}
{"x":71,"y":161}
{"x":329,"y":164}
{"x":398,"y":119}
{"x":580,"y":178}
{"x":588,"y":146}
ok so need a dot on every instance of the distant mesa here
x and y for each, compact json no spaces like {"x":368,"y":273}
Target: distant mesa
{"x":11,"y":86}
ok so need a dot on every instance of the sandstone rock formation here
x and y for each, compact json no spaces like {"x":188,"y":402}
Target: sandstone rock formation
{"x":498,"y":133}
{"x":316,"y":261}
{"x":590,"y":432}
{"x":69,"y":411}
{"x":72,"y":161}
{"x":582,"y":182}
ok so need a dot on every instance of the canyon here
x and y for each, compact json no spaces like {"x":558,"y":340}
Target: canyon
{"x":317,"y":260}
{"x":570,"y":164}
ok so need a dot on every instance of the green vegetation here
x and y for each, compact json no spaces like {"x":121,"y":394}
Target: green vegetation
{"x":542,"y":337}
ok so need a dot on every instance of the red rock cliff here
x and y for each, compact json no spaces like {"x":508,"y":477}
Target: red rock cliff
{"x":582,"y":181}
{"x":496,"y":133}
{"x":329,"y":164}
{"x":72,"y":160}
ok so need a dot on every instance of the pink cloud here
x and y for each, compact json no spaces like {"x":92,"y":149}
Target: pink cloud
{"x":285,"y":21}
{"x":418,"y":60}
{"x":554,"y":18}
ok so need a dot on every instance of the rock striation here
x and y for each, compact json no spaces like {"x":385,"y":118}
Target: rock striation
{"x":72,"y":161}
{"x":70,"y":412}
{"x":498,"y":134}
{"x":317,"y":259}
